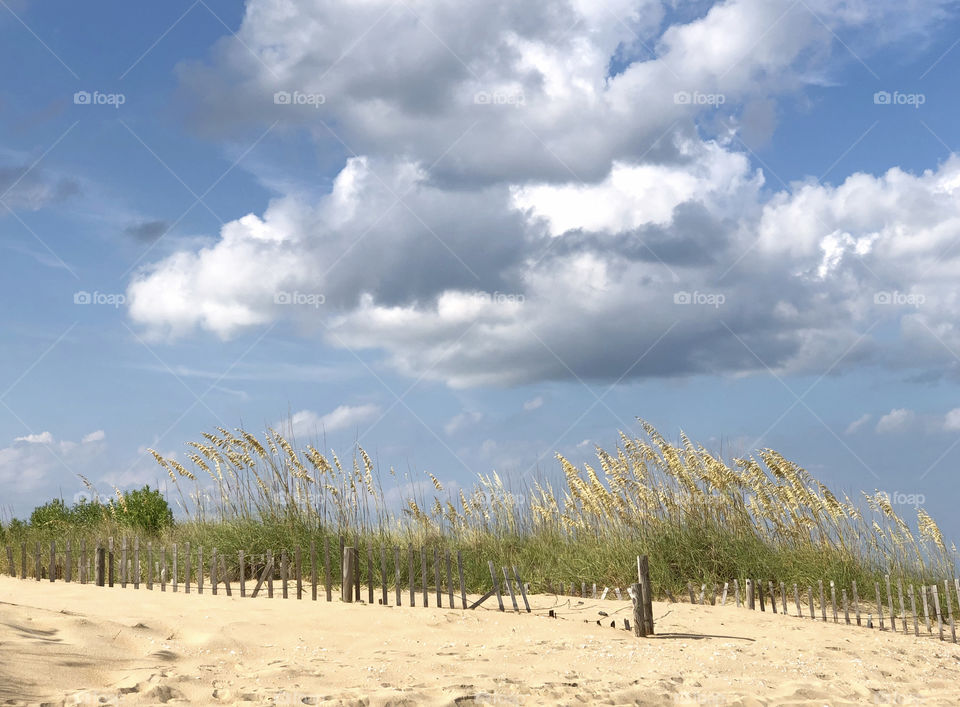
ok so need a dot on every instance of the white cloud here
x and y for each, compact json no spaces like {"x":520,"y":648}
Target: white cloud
{"x":533,"y":403}
{"x":858,"y":423}
{"x":96,"y":436}
{"x":307,"y":423}
{"x":589,"y":228}
{"x":461,"y":421}
{"x":896,"y":419}
{"x":41,"y":438}
{"x":952,"y":420}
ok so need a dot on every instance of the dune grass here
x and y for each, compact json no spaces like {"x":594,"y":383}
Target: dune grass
{"x":698,"y":517}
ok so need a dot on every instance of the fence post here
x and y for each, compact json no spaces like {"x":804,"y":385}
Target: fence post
{"x":639,"y":625}
{"x":751,"y":602}
{"x":101,"y":560}
{"x":346,"y":580}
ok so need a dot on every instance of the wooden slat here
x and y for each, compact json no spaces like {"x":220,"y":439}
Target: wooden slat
{"x":175,"y":577}
{"x":383,"y":575}
{"x":833,"y":600}
{"x":123,"y":563}
{"x":913,"y":610}
{"x":269,"y":561}
{"x":328,"y":587}
{"x":856,"y":602}
{"x":136,"y":561}
{"x":926,"y":610}
{"x":903,"y":610}
{"x":463,"y":589}
{"x":68,"y":563}
{"x":83,"y":561}
{"x":876,"y":589}
{"x":163,"y":568}
{"x":53,"y":560}
{"x":796,"y":600}
{"x":813,"y":614}
{"x":200,"y":572}
{"x":267,"y":571}
{"x":482,"y":599}
{"x":187,"y":562}
{"x":523,"y":590}
{"x":423,"y":576}
{"x":496,"y":584}
{"x":369,"y":575}
{"x":298,"y":562}
{"x":410,"y":577}
{"x":436,"y":577}
{"x":346,"y":581}
{"x":513,"y":598}
{"x":150,"y":565}
{"x":396,"y":573}
{"x":284,"y":574}
{"x":214,"y":581}
{"x":313,"y":570}
{"x":243,"y":576}
{"x":226,"y":577}
{"x":936,"y":605}
{"x":12,"y":567}
{"x":100,"y":565}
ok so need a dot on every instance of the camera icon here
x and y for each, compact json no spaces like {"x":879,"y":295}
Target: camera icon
{"x":881,"y":98}
{"x":481,"y":98}
{"x":882,"y":298}
{"x":281,"y":98}
{"x":82,"y":297}
{"x":81,"y":98}
{"x":282,"y":298}
{"x":681,"y":98}
{"x":681,"y":297}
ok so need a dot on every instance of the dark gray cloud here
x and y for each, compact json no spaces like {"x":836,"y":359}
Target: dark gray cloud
{"x":23,"y":187}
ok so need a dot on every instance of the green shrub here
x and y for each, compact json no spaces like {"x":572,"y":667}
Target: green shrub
{"x":51,"y":516}
{"x":144,"y":509}
{"x":88,"y":514}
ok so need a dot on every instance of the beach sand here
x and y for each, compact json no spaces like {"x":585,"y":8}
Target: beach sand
{"x":71,"y":644}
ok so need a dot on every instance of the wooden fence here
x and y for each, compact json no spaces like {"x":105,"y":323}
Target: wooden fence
{"x":794,"y":601}
{"x":351,"y":570}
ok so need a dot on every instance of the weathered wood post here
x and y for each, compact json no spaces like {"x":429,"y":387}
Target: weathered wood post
{"x":270,"y":570}
{"x":83,"y":561}
{"x":736,"y":591}
{"x":936,"y":606}
{"x":23,"y":560}
{"x":903,"y":610}
{"x":12,"y":567}
{"x":163,"y":568}
{"x":243,"y":577}
{"x":284,"y":573}
{"x":856,"y":602}
{"x":136,"y":562}
{"x":639,"y":625}
{"x":463,"y":588}
{"x":150,"y":565}
{"x":436,"y":577}
{"x":513,"y":598}
{"x":383,"y":575}
{"x":298,"y":564}
{"x":110,"y":561}
{"x":751,"y":601}
{"x":313,"y":570}
{"x":396,"y":573}
{"x":37,"y":565}
{"x":423,"y":576}
{"x":823,"y":602}
{"x":101,"y":565}
{"x":328,"y":582}
{"x":53,"y":560}
{"x":796,"y":599}
{"x":913,"y":610}
{"x":213,"y":572}
{"x":876,"y":588}
{"x":496,"y":584}
{"x":946,"y":598}
{"x":346,"y":581}
{"x":813,"y":614}
{"x":646,"y":595}
{"x":450,"y":580}
{"x":410,"y":573}
{"x":370,"y":575}
{"x":187,"y":560}
{"x":123,"y":563}
{"x":893,"y":620}
{"x":833,"y":600}
{"x":68,"y":563}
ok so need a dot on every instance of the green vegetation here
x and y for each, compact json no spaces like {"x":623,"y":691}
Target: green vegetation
{"x":696,"y":516}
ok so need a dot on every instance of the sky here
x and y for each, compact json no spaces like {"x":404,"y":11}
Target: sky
{"x":470,"y":236}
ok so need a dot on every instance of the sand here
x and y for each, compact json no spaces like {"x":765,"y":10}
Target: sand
{"x":70,"y":644}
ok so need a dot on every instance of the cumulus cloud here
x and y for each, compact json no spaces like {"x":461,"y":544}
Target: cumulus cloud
{"x":511,"y":212}
{"x":307,"y":423}
{"x":858,"y":423}
{"x":951,"y":422}
{"x":40,"y":438}
{"x":896,"y":419}
{"x":461,"y":421}
{"x":96,"y":436}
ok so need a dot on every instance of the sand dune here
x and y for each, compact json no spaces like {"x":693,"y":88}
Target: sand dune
{"x":71,"y":644}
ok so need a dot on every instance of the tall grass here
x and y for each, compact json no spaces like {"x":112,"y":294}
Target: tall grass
{"x":696,"y":516}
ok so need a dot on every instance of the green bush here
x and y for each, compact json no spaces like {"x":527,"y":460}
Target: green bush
{"x":144,"y":509}
{"x":88,"y":514}
{"x":51,"y":516}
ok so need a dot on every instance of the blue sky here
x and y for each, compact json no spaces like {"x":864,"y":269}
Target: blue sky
{"x":486,"y":222}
